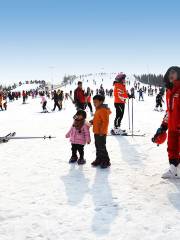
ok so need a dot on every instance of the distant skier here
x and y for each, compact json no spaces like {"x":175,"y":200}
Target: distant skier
{"x":132,"y":93}
{"x":1,"y":102}
{"x":79,"y":136}
{"x":88,"y":100}
{"x":120,"y":96}
{"x":100,"y":129}
{"x":141,"y":94}
{"x":43,"y":102}
{"x":171,"y":122}
{"x":56,"y":100}
{"x":79,"y":97}
{"x":24,"y":95}
{"x":60,"y":99}
{"x":159,"y":102}
{"x":101,"y":91}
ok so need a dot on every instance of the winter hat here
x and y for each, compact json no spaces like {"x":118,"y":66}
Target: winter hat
{"x":120,"y":77}
{"x":168,"y":84}
{"x":82,"y":113}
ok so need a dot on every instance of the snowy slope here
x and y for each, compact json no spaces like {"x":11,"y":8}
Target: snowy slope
{"x":26,"y":87}
{"x":44,"y":198}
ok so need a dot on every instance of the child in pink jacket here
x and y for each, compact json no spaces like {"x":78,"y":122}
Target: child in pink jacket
{"x":79,"y":135}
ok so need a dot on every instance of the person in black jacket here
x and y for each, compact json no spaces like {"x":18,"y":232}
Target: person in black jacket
{"x":159,"y":101}
{"x":56,"y":101}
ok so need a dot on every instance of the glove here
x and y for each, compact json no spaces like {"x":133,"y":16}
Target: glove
{"x":160,"y":136}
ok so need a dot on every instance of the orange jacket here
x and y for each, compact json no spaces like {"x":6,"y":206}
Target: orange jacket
{"x":101,"y":120}
{"x":120,"y":93}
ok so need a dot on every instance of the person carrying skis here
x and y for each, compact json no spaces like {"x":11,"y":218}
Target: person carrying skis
{"x":79,"y":136}
{"x":171,"y":122}
{"x":120,"y":96}
{"x":100,"y":128}
{"x":159,"y":101}
{"x":79,"y":97}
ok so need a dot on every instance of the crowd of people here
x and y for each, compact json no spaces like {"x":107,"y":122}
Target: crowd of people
{"x":79,"y":132}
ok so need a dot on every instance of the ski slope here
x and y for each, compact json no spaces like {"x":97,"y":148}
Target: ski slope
{"x":42,"y":197}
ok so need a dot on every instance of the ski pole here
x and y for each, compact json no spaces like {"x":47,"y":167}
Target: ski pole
{"x":132,"y":117}
{"x":129,"y":116}
{"x":25,"y":138}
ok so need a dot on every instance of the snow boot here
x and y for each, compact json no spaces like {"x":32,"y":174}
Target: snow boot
{"x":81,"y":161}
{"x":105,"y":164}
{"x":73,"y":160}
{"x":171,"y":173}
{"x":96,"y":163}
{"x":118,"y":131}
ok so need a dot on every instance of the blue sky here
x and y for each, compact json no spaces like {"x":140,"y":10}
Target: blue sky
{"x":79,"y":36}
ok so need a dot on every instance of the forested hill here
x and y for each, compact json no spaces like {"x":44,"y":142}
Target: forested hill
{"x":151,"y":79}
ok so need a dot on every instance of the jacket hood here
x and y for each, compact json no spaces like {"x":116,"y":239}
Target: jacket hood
{"x":105,"y":106}
{"x":168,"y":84}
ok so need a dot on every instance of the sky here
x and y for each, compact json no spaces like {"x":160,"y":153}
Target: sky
{"x":45,"y":39}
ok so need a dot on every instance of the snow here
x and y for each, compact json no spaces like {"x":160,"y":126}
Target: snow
{"x":44,"y":198}
{"x":26,"y":87}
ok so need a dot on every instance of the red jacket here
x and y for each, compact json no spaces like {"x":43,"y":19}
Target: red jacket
{"x":172,"y":117}
{"x":120,"y":93}
{"x":79,"y":95}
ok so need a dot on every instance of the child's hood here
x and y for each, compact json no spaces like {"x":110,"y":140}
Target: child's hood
{"x":105,"y":108}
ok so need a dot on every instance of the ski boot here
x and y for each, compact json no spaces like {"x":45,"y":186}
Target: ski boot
{"x":73,"y":159}
{"x":171,"y":173}
{"x":118,"y":131}
{"x":81,"y":161}
{"x":96,"y":163}
{"x":105,"y":164}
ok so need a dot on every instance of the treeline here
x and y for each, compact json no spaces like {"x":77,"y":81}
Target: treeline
{"x":69,"y":79}
{"x":151,"y":79}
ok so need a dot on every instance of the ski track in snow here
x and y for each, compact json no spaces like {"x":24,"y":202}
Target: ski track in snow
{"x":42,"y":197}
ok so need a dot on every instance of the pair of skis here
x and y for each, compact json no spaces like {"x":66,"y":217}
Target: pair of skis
{"x":126,"y":134}
{"x":12,"y":136}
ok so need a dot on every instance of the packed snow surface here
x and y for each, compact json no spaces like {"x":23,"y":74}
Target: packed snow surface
{"x":42,"y":197}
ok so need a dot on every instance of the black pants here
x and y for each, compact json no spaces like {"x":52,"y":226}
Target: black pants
{"x":24,"y":99}
{"x":90,"y":107}
{"x":141,"y":98}
{"x":80,"y":106}
{"x":44,"y":105}
{"x":101,"y":151}
{"x":56,"y":104}
{"x":77,"y":148}
{"x":120,"y":107}
{"x":159,"y":104}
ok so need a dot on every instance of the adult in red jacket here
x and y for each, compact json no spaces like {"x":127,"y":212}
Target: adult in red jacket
{"x":120,"y":96}
{"x":79,"y":97}
{"x":171,"y":122}
{"x":24,"y":95}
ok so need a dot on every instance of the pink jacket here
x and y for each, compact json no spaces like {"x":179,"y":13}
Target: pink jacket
{"x":79,"y":137}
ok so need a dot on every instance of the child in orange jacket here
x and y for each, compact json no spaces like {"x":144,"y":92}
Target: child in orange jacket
{"x":100,"y":129}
